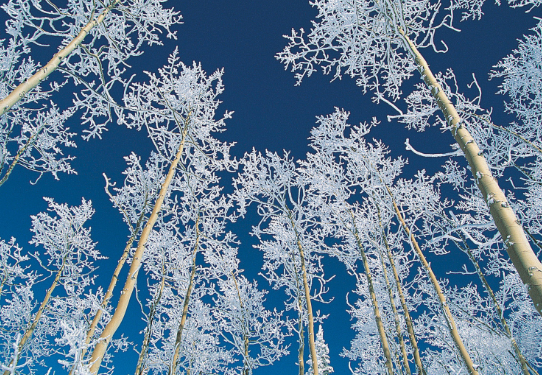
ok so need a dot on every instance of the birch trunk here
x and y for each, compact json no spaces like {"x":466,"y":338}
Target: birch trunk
{"x":442,"y":299}
{"x":30,"y":330}
{"x":395,"y":314}
{"x":378,"y":318}
{"x":300,"y":334}
{"x":520,"y":358}
{"x":179,"y":337}
{"x":110,"y":288}
{"x":408,"y":319}
{"x":20,"y":91}
{"x":246,"y":364}
{"x":145,"y":345}
{"x":517,"y":246}
{"x":122,"y":305}
{"x":312,"y":345}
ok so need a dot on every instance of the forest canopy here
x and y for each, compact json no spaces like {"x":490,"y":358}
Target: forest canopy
{"x":184,"y":191}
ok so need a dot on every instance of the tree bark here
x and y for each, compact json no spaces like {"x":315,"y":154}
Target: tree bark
{"x":520,"y":358}
{"x":300,"y":333}
{"x":122,"y":305}
{"x":442,"y":299}
{"x":312,"y":345}
{"x":20,"y":91}
{"x":110,"y":288}
{"x":517,"y":245}
{"x":145,"y":345}
{"x":378,"y":318}
{"x":30,"y":330}
{"x":179,"y":337}
{"x":408,"y":319}
{"x":395,"y":314}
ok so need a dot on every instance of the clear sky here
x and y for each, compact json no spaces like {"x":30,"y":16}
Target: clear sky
{"x":270,"y":113}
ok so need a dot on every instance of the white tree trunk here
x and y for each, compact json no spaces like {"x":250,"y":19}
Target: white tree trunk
{"x":517,"y":245}
{"x":21,"y":90}
{"x":122,"y":305}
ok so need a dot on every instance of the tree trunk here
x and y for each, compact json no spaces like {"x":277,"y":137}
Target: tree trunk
{"x":30,"y":330}
{"x":442,"y":299}
{"x":395,"y":314}
{"x":110,"y":288}
{"x":179,"y":337}
{"x":312,"y":345}
{"x":300,"y":333}
{"x":378,"y":318}
{"x":408,"y":319}
{"x":145,"y":345}
{"x":517,"y":245}
{"x":20,"y":91}
{"x":122,"y":305}
{"x":520,"y":358}
{"x":301,"y":350}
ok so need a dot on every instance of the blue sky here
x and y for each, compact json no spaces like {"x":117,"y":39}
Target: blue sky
{"x":270,"y":113}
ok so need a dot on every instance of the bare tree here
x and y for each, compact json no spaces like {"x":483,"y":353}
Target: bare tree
{"x":95,"y":40}
{"x":378,"y":43}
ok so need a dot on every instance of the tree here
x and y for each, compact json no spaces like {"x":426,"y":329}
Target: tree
{"x":365,"y":167}
{"x":178,"y":109}
{"x":256,"y":334}
{"x":322,"y":351}
{"x":521,"y":81}
{"x":95,"y":40}
{"x":68,"y":257}
{"x":401,"y":243}
{"x":291,"y":257}
{"x":470,"y":227}
{"x":379,"y":44}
